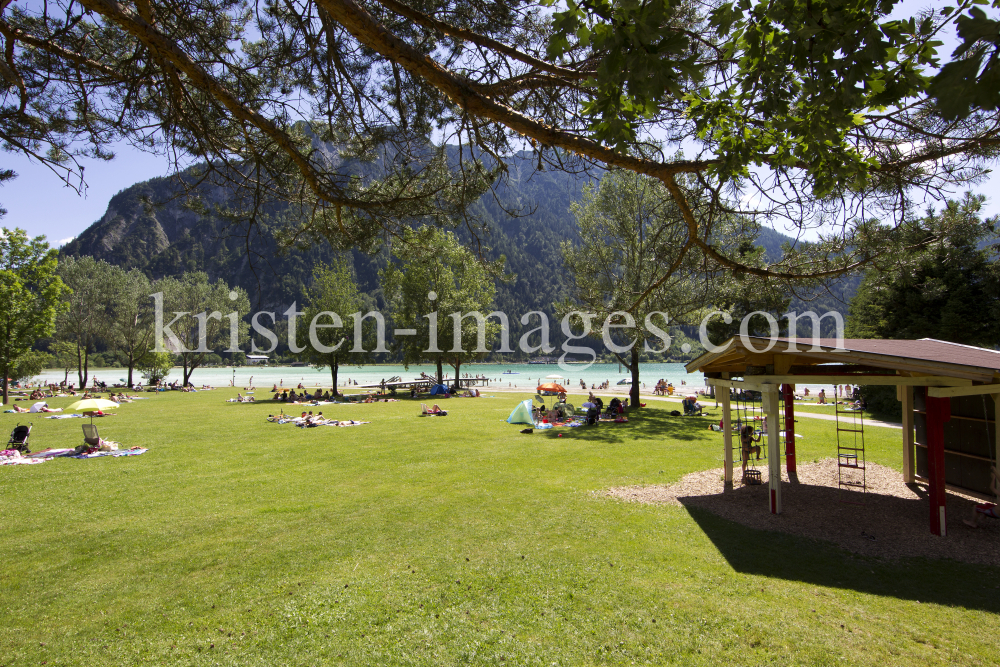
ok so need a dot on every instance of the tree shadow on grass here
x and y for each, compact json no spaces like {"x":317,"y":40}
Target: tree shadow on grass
{"x":641,"y":425}
{"x":793,"y":558}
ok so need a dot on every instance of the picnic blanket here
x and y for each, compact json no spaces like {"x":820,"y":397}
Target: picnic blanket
{"x":72,"y":416}
{"x":13,"y":457}
{"x":135,"y":451}
{"x":19,"y":461}
{"x":50,"y":453}
{"x":298,"y":421}
{"x":572,"y":422}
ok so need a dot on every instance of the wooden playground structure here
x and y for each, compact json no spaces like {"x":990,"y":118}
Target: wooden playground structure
{"x":949,"y":395}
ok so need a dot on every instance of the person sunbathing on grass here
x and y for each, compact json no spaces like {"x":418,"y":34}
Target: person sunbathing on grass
{"x":317,"y":420}
{"x":435,"y":410}
{"x":986,"y":509}
{"x":300,"y":419}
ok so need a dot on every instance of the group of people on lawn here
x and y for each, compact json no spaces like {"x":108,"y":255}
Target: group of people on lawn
{"x":289,"y":395}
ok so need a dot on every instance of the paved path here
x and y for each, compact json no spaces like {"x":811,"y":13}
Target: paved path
{"x":798,"y":413}
{"x":868,"y":422}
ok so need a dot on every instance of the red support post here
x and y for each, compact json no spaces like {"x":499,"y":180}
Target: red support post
{"x":938,"y":412}
{"x":789,"y":428}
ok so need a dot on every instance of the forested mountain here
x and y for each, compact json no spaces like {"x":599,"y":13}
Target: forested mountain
{"x":150,"y":226}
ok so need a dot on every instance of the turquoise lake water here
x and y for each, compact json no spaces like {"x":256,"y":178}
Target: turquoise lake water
{"x":524,"y":376}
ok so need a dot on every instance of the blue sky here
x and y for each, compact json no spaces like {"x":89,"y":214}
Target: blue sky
{"x":38,"y":202}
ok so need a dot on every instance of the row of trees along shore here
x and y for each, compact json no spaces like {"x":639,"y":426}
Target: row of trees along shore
{"x":831,"y":118}
{"x":100,"y":304}
{"x":76,"y":305}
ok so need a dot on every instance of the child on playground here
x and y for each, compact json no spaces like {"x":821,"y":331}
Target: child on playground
{"x":747,"y":440}
{"x":986,"y":509}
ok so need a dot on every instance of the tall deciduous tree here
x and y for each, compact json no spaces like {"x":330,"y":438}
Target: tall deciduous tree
{"x":334,"y":293}
{"x":432,"y":286}
{"x":131,"y":330}
{"x":87,"y":318}
{"x":630,"y":230}
{"x":950,"y":291}
{"x":31,"y":295}
{"x":199,"y":314}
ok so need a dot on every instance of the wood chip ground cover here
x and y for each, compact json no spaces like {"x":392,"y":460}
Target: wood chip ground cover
{"x":892,"y":523}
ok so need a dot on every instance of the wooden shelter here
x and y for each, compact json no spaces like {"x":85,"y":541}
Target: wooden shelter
{"x":949,"y":394}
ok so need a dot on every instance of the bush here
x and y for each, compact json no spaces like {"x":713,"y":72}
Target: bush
{"x":103,"y":360}
{"x":155,"y":366}
{"x":29,"y":364}
{"x":882,"y":402}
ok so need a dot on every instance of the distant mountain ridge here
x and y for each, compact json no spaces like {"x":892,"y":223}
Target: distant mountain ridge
{"x":148,"y":226}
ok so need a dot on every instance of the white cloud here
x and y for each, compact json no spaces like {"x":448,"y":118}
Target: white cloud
{"x":61,"y":242}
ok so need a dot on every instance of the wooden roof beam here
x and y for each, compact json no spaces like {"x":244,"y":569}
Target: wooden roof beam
{"x":753,"y":381}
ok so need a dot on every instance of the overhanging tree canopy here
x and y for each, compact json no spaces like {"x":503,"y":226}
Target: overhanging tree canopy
{"x":817,"y":113}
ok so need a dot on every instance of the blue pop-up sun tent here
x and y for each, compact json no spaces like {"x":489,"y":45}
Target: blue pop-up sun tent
{"x":439,"y":389}
{"x":521,"y":414}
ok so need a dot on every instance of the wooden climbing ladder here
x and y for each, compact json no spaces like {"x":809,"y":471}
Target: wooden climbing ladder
{"x":851,"y":480}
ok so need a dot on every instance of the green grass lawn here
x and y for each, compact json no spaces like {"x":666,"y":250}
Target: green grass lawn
{"x":445,"y":540}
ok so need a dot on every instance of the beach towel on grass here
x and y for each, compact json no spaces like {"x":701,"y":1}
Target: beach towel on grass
{"x":121,"y":452}
{"x":302,"y":424}
{"x":25,"y":461}
{"x":51,"y":453}
{"x":135,"y":451}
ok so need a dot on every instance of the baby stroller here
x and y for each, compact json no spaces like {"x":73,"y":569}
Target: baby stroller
{"x":19,"y":438}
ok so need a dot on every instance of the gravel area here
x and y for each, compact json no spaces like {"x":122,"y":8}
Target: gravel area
{"x":892,"y":523}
